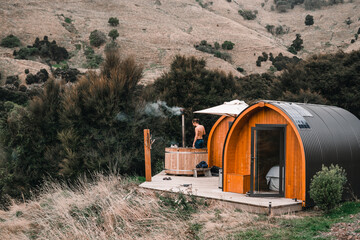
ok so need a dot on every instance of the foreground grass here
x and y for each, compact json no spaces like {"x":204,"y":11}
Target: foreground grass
{"x":111,"y":207}
{"x":308,"y":227}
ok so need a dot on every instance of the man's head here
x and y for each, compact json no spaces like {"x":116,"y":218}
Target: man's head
{"x":195,"y":122}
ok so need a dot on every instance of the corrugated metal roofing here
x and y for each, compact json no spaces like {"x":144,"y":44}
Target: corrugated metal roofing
{"x":330,"y":135}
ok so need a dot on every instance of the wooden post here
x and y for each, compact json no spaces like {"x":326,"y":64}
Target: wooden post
{"x":147,"y":145}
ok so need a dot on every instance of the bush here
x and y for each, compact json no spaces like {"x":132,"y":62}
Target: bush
{"x":44,"y":49}
{"x":240,"y":69}
{"x":113,"y":21}
{"x":227,"y":45}
{"x":313,"y":4}
{"x":97,"y":38}
{"x":217,"y":45}
{"x":309,"y":20}
{"x":68,"y":20}
{"x":327,"y":186}
{"x":92,"y":60}
{"x":292,"y":50}
{"x":296,"y":45}
{"x":247,"y":14}
{"x":113,"y":34}
{"x":10,"y":41}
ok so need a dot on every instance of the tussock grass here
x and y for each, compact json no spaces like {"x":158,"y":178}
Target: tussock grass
{"x":111,"y":207}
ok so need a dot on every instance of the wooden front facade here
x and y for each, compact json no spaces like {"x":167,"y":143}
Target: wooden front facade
{"x":238,"y":151}
{"x":216,"y":140}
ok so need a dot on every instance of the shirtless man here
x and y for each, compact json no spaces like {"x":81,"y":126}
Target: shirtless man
{"x":199,"y":133}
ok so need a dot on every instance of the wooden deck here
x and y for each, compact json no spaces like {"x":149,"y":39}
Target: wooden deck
{"x":207,"y":187}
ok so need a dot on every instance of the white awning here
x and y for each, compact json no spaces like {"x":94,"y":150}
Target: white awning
{"x":231,"y":109}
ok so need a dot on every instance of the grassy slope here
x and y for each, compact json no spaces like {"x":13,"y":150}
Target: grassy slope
{"x":114,"y":208}
{"x":156,"y":33}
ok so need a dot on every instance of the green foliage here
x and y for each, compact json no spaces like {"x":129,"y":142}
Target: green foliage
{"x":92,"y":60}
{"x":184,"y":206}
{"x":247,"y":14}
{"x":208,"y":48}
{"x":227,"y":45}
{"x":113,"y":21}
{"x":336,"y":77}
{"x":97,"y":38}
{"x":292,"y":50}
{"x":10,"y":41}
{"x":296,"y":45}
{"x":44,"y":49}
{"x":68,"y":20}
{"x":309,"y":20}
{"x":327,"y":186}
{"x":190,"y":85}
{"x":240,"y":69}
{"x":348,"y":21}
{"x":113,"y":34}
{"x":313,"y":4}
{"x":279,"y":30}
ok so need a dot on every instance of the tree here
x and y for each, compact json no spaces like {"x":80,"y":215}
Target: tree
{"x":297,"y":43}
{"x":309,"y":20}
{"x":113,"y":21}
{"x":113,"y":34}
{"x":97,"y":38}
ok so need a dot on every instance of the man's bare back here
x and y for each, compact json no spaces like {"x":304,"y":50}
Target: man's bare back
{"x":199,"y":133}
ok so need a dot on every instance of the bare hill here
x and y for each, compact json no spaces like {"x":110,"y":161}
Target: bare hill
{"x":155,"y":31}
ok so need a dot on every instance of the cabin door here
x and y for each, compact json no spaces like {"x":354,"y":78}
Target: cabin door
{"x":267,"y":160}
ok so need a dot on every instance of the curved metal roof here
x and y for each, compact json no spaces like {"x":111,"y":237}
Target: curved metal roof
{"x":330,"y":135}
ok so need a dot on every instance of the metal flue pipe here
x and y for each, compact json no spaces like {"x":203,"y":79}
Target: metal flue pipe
{"x":183,"y":127}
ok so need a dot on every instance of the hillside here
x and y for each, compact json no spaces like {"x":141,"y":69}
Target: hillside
{"x":155,"y":31}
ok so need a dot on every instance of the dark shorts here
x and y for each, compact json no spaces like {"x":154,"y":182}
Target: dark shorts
{"x":199,"y":143}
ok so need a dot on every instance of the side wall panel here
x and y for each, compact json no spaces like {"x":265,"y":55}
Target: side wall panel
{"x":216,"y":140}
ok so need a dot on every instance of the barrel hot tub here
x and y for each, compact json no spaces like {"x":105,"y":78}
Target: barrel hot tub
{"x":182,"y":161}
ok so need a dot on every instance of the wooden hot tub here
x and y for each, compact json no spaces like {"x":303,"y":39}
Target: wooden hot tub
{"x":182,"y":161}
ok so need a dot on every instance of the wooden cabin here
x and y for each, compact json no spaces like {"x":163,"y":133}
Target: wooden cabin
{"x":216,"y":139}
{"x":274,"y":148}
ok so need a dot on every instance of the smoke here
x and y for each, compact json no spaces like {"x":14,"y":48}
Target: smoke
{"x":161,"y":109}
{"x":122,"y":117}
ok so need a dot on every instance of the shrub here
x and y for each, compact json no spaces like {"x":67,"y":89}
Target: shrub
{"x":348,"y":21}
{"x":26,"y":71}
{"x":358,"y":32}
{"x":270,"y":28}
{"x":217,"y":45}
{"x":10,"y":41}
{"x":309,"y":20}
{"x":258,"y":63}
{"x":227,"y":45}
{"x":297,"y":43}
{"x":97,"y":38}
{"x":247,"y":14}
{"x":92,"y":60}
{"x":312,"y":4}
{"x":25,"y":53}
{"x":113,"y":21}
{"x":352,"y":41}
{"x":12,"y":79}
{"x":292,"y":50}
{"x":240,"y":69}
{"x":113,"y":34}
{"x":44,"y":49}
{"x":327,"y":185}
{"x":68,"y":20}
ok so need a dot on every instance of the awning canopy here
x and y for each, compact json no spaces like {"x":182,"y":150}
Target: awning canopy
{"x":231,"y":109}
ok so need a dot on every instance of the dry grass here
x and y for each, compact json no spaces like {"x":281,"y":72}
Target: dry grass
{"x":116,"y":208}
